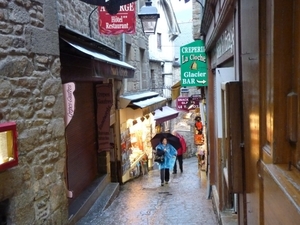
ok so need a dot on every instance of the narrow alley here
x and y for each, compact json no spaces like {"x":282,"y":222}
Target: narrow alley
{"x":143,"y":201}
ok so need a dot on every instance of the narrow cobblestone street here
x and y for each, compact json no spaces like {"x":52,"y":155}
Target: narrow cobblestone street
{"x":143,"y":201}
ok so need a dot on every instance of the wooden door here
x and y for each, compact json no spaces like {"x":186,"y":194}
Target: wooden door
{"x":81,"y":141}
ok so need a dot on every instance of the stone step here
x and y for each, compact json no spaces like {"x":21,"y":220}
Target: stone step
{"x":110,"y":192}
{"x":100,"y":189}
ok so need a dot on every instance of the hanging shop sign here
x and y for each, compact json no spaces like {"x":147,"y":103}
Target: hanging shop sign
{"x":182,"y":103}
{"x":193,"y":64}
{"x":69,"y":99}
{"x":224,"y":47}
{"x":104,"y":104}
{"x":122,"y":22}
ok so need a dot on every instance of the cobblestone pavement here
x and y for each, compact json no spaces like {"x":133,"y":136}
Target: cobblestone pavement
{"x":143,"y":201}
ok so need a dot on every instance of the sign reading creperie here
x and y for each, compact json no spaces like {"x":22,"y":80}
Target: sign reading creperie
{"x":193,"y":64}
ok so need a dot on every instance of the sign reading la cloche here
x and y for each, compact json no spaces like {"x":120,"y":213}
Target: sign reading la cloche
{"x":193,"y":64}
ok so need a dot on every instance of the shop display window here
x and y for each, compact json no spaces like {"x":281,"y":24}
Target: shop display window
{"x":136,"y":146}
{"x":8,"y":146}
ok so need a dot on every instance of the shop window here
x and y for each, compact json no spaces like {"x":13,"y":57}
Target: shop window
{"x":280,"y":106}
{"x":8,"y":146}
{"x":152,"y":74}
{"x":279,"y":109}
{"x":144,"y":81}
{"x":136,"y":147}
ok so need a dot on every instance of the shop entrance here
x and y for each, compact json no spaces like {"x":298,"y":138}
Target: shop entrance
{"x":81,"y":140}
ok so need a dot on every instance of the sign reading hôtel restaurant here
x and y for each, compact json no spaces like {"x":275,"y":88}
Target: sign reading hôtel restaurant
{"x":193,"y":64}
{"x":122,"y":22}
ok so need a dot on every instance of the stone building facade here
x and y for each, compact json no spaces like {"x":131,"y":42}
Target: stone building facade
{"x":31,"y":95}
{"x":198,"y":9}
{"x":136,"y":54}
{"x":157,"y":81}
{"x":34,"y":192}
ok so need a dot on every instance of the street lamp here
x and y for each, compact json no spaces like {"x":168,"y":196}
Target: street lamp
{"x":148,"y":15}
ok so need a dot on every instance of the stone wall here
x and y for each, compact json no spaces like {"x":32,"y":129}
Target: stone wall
{"x":185,"y":122}
{"x":185,"y":127}
{"x":197,"y":18}
{"x":156,"y":77}
{"x":74,"y":15}
{"x":31,"y":95}
{"x":137,"y":55}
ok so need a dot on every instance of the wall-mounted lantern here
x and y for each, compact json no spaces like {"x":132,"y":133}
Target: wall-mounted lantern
{"x":148,"y":15}
{"x":8,"y":146}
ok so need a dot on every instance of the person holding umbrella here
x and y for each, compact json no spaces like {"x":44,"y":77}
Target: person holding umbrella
{"x":180,"y":152}
{"x":169,"y":159}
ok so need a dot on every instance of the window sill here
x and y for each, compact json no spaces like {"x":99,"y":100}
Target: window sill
{"x":288,"y":181}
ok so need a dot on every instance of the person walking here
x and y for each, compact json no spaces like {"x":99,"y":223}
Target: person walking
{"x":169,"y":160}
{"x":180,"y":153}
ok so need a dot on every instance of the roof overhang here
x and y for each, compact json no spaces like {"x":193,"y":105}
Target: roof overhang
{"x":105,"y":66}
{"x":165,"y":114}
{"x":84,"y":58}
{"x":149,"y":101}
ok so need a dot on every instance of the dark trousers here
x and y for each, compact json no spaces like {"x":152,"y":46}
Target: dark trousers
{"x":164,"y":175}
{"x":179,"y":158}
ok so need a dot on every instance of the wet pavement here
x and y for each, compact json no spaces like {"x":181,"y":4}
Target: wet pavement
{"x":143,"y":201}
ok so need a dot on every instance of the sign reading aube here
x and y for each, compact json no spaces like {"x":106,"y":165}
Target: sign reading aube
{"x":193,"y":64}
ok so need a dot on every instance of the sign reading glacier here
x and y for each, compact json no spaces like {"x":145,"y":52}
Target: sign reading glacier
{"x":193,"y":64}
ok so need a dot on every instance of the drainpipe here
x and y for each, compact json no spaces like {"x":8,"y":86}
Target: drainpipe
{"x":123,"y":59}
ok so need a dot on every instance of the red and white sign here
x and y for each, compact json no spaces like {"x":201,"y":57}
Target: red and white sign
{"x":181,"y":103}
{"x":123,"y":22}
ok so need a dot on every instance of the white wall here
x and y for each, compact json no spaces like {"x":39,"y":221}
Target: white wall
{"x":167,"y":51}
{"x":222,"y":75}
{"x":183,"y":12}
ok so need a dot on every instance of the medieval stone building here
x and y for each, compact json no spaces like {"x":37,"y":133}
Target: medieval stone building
{"x":47,"y":47}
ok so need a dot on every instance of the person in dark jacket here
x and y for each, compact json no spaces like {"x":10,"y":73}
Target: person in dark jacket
{"x":180,"y":153}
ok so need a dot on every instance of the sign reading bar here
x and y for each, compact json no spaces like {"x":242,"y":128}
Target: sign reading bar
{"x":122,"y":22}
{"x":193,"y":64}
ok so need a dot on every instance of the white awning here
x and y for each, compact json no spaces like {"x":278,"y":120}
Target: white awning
{"x":150,"y":100}
{"x":99,"y":56}
{"x":165,"y":114}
